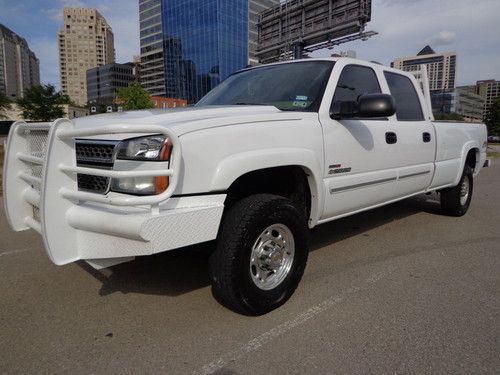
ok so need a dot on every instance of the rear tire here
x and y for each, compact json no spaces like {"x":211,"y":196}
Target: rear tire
{"x":261,"y":254}
{"x":455,"y":201}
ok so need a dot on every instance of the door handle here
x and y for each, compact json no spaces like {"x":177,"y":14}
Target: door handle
{"x":391,"y":138}
{"x":426,"y":137}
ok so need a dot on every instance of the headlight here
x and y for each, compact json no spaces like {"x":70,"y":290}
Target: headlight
{"x":155,"y":147}
{"x":152,"y":148}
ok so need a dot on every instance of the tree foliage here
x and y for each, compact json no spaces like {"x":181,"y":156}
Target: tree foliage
{"x":448,"y":116}
{"x":42,"y":103}
{"x":493,"y":118}
{"x":4,"y":103}
{"x":134,"y":97}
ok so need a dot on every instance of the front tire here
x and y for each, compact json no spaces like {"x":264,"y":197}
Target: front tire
{"x":261,"y":254}
{"x":455,"y":201}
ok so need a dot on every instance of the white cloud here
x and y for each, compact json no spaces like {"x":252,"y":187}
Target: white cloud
{"x":123,"y":17}
{"x":443,"y":38}
{"x":73,"y":3}
{"x":405,"y":27}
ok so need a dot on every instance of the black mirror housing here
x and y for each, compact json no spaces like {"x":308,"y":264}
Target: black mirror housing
{"x":376,"y":105}
{"x":367,"y":106}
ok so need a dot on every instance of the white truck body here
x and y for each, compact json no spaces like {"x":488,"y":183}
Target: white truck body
{"x":349,"y":165}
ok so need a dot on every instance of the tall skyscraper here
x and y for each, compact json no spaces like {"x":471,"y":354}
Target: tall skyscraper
{"x":190,"y":46}
{"x":85,"y":41}
{"x":441,"y":67}
{"x":19,"y":66}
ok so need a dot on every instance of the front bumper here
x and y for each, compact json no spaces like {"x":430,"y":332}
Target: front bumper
{"x":41,"y":193}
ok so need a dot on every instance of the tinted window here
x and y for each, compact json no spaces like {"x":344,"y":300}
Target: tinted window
{"x":294,"y":87}
{"x":408,"y":106}
{"x":355,"y":81}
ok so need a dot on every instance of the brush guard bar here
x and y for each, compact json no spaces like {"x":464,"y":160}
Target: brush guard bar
{"x":41,"y":192}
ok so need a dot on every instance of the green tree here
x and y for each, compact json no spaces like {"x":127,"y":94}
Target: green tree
{"x":42,"y":103}
{"x":448,"y":116}
{"x":134,"y":97}
{"x":492,"y":119}
{"x":4,"y":104}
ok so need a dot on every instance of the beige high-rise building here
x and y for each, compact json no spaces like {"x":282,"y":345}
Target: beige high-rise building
{"x":85,"y":42}
{"x":441,"y":67}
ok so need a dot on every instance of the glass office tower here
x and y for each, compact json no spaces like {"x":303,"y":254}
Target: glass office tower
{"x":190,"y":46}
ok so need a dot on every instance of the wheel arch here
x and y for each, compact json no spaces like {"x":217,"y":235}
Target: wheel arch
{"x":471,"y":155}
{"x":235,"y":168}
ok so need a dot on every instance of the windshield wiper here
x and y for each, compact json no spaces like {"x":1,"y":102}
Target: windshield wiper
{"x":245,"y":103}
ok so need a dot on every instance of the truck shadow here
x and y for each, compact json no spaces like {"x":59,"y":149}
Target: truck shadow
{"x":184,"y":270}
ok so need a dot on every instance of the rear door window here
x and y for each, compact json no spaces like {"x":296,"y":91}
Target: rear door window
{"x":408,"y":107}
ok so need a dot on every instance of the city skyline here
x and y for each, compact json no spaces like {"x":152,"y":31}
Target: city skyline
{"x":469,"y":30}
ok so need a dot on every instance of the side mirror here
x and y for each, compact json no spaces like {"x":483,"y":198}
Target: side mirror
{"x":367,"y":106}
{"x":376,"y":105}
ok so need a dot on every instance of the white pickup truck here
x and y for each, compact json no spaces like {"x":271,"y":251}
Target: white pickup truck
{"x":268,"y":154}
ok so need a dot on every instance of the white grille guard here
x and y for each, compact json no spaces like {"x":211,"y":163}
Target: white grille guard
{"x":152,"y":200}
{"x":65,"y":220}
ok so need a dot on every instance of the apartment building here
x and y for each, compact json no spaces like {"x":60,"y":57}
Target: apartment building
{"x":441,"y":67}
{"x":85,"y":41}
{"x":19,"y":66}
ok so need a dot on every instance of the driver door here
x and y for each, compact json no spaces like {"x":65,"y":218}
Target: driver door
{"x":360,"y":154}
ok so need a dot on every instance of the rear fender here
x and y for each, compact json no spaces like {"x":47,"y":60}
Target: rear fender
{"x":465,"y":151}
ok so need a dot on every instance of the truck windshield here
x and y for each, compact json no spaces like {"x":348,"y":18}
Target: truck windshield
{"x":297,"y":86}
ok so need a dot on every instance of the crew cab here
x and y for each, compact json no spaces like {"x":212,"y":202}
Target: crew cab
{"x":270,"y":153}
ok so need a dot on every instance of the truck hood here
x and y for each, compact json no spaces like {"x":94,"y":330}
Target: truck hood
{"x":189,"y":119}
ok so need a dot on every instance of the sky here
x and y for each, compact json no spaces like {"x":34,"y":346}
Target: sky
{"x":469,"y":28}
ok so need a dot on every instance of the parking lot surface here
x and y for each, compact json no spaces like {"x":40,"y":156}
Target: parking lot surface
{"x":401,"y":289}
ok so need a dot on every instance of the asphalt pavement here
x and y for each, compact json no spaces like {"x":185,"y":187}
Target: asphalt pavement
{"x":398,"y":290}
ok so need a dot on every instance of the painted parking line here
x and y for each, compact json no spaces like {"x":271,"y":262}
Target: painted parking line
{"x":272,"y":334}
{"x":12,"y":252}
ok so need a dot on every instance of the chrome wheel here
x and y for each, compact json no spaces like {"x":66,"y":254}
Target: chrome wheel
{"x":464,"y":191}
{"x":272,"y":256}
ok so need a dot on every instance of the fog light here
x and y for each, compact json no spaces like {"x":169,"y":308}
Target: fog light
{"x":134,"y":185}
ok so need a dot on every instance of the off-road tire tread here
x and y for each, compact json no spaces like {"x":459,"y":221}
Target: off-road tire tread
{"x":450,"y":198}
{"x":233,"y":232}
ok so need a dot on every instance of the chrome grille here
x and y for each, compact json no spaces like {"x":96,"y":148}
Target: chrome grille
{"x":94,"y":154}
